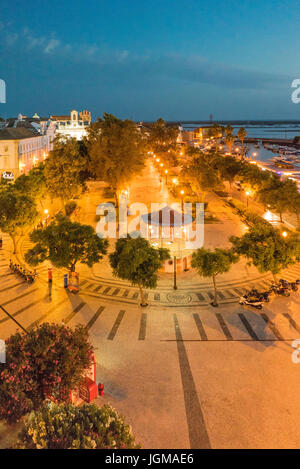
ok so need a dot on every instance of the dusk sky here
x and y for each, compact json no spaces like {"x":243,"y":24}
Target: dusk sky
{"x":176,"y":59}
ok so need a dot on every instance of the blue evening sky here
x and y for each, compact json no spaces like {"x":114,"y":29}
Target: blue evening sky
{"x":144,"y":59}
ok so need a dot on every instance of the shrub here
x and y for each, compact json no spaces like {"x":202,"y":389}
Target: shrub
{"x":70,"y":207}
{"x":66,"y":426}
{"x":49,"y":361}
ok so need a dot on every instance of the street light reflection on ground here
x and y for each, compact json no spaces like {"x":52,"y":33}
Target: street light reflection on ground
{"x":271,"y":217}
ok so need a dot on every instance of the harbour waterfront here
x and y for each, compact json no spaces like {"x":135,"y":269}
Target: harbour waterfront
{"x":255,"y":129}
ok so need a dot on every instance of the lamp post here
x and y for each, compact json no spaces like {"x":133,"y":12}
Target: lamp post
{"x":182,"y":194}
{"x":46,"y":212}
{"x":166,"y":173}
{"x":247,"y":197}
{"x":175,"y":268}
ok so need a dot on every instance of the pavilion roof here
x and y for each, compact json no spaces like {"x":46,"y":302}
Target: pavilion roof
{"x":168,"y":216}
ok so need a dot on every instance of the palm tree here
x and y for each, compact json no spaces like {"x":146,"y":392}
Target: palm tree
{"x":228,"y":130}
{"x":242,"y":134}
{"x":229,"y":140}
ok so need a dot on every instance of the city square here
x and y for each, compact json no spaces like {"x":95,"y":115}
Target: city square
{"x":149,"y":266}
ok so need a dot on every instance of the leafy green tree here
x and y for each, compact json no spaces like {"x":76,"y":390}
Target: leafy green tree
{"x":229,"y":168}
{"x":279,"y":195}
{"x":216,"y":131}
{"x":253,"y":176}
{"x":134,"y":259}
{"x":17,"y":212}
{"x":117,"y":151}
{"x":70,"y":207}
{"x":66,"y":426}
{"x":210,"y":264}
{"x":33,"y":184}
{"x":64,"y":169}
{"x":65,"y":243}
{"x":162,"y":138}
{"x":295,"y":206}
{"x":242,"y":134}
{"x":48,"y":361}
{"x":201,"y":175}
{"x":266,"y":248}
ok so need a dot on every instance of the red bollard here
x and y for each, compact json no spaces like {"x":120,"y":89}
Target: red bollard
{"x":100,"y":389}
{"x":50,"y":275}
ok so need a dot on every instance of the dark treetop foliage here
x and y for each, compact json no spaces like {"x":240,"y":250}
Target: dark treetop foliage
{"x":65,"y":169}
{"x":47,"y":362}
{"x":117,"y":151}
{"x":65,"y":243}
{"x":267,"y":249}
{"x":134,"y":259}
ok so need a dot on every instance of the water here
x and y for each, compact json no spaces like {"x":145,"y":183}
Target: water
{"x":266,"y":130}
{"x":270,"y":130}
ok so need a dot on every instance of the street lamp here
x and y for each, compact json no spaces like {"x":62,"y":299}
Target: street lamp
{"x":182,"y":194}
{"x":247,"y":195}
{"x":284,"y":234}
{"x":174,"y":180}
{"x":166,"y":173}
{"x":175,"y":272}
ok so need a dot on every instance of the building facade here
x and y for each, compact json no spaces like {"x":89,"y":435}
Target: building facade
{"x":21,"y":149}
{"x":74,"y":125}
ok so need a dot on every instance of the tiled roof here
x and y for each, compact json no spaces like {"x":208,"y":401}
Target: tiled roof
{"x":60,"y":118}
{"x":19,"y":133}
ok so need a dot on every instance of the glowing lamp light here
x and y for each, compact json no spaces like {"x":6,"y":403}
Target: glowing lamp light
{"x":46,"y":211}
{"x":284,"y":234}
{"x":166,"y":171}
{"x":182,"y":192}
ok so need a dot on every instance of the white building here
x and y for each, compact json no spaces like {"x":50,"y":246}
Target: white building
{"x":21,"y":149}
{"x":74,"y":125}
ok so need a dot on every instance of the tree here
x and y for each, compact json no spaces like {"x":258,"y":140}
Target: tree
{"x":134,"y":259}
{"x":215,"y":131}
{"x":242,"y":134}
{"x":266,"y":248}
{"x":295,"y":206}
{"x":33,"y":184}
{"x":229,"y":140}
{"x":66,"y":426}
{"x":210,"y":263}
{"x":279,"y":195}
{"x":64,"y":169}
{"x":117,"y":151}
{"x":48,"y":361}
{"x":17,"y":212}
{"x":228,"y":130}
{"x":201,"y":174}
{"x":229,"y":168}
{"x":65,"y":243}
{"x":162,"y":138}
